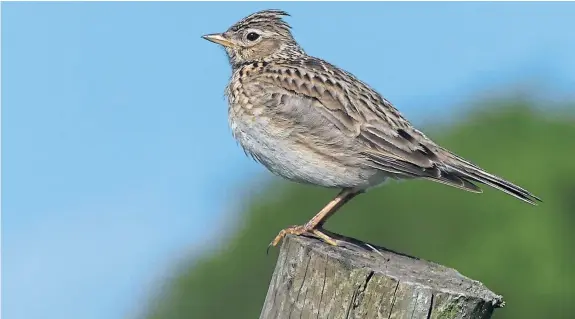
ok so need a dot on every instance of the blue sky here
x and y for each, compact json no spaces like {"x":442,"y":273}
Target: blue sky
{"x":117,"y":159}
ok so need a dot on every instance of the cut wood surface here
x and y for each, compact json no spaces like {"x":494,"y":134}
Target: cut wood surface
{"x":315,"y":280}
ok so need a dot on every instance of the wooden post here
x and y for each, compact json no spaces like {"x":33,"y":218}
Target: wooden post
{"x":316,"y":280}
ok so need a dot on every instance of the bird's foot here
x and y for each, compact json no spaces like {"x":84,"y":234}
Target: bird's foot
{"x":292,"y":230}
{"x":300,"y":230}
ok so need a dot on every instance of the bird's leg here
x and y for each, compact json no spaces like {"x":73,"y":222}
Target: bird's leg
{"x":314,"y":225}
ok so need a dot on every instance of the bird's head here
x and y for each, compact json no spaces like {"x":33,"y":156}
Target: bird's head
{"x":260,"y":36}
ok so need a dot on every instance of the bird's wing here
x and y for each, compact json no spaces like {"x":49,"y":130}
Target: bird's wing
{"x":390,"y":140}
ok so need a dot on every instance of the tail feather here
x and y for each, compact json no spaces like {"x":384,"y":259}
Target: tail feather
{"x":456,"y":181}
{"x":477,"y":175}
{"x":452,"y":170}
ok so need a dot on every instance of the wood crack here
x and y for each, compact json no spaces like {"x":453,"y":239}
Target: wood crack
{"x":322,"y":287}
{"x":301,"y":286}
{"x":430,"y":306}
{"x":393,"y":301}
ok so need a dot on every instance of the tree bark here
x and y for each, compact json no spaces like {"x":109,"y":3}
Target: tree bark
{"x":315,"y":280}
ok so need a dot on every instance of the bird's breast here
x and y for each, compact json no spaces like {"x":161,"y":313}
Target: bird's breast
{"x":295,"y":151}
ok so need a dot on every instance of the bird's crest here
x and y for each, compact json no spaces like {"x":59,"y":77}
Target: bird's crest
{"x":271,"y":17}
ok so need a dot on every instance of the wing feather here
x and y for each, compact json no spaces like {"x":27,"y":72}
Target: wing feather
{"x":390,"y":142}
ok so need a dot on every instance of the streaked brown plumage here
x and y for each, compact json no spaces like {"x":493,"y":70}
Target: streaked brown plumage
{"x":309,"y":121}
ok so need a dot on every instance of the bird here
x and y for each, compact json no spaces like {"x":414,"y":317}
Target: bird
{"x":312,"y":122}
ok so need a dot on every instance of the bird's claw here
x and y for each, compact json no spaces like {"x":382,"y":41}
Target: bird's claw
{"x":292,"y":230}
{"x":299,"y":230}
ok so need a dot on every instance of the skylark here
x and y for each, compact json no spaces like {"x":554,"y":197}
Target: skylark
{"x":312,"y":122}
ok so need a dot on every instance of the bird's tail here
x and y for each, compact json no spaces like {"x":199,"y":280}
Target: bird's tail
{"x":471,"y":173}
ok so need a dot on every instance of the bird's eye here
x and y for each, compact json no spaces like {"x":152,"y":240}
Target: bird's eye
{"x":252,"y":36}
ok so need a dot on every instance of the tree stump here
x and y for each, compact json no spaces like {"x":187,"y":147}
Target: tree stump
{"x":315,"y":280}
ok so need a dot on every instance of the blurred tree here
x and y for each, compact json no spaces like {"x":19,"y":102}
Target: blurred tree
{"x":523,"y":252}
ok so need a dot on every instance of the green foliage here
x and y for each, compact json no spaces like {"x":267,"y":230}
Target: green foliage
{"x":523,"y":252}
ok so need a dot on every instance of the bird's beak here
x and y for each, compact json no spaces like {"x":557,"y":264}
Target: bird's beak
{"x":218,"y":38}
